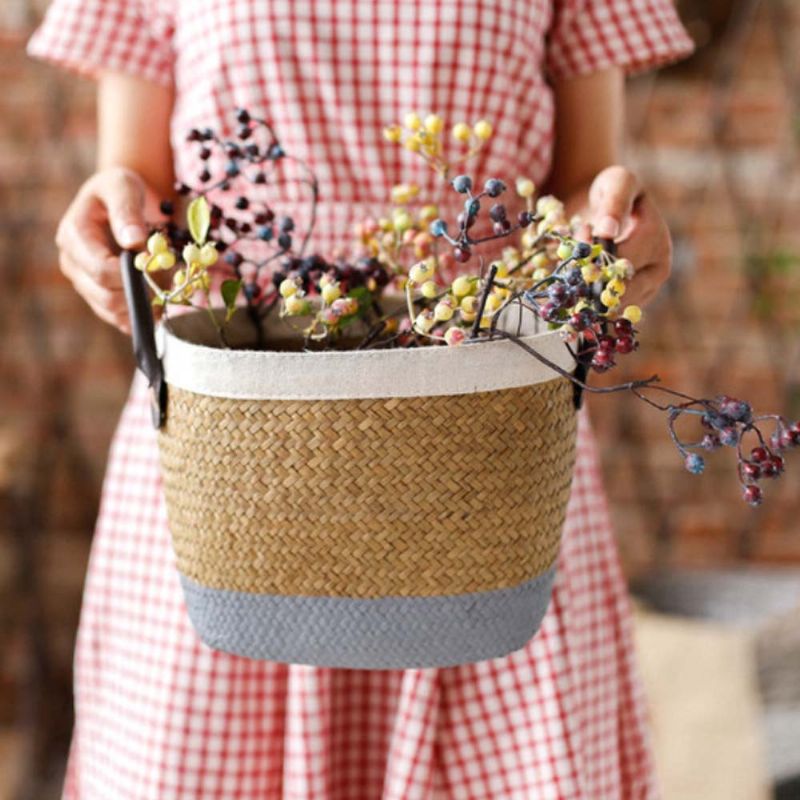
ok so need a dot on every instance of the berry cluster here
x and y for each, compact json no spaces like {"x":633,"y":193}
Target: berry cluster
{"x":728,"y":422}
{"x":545,"y":267}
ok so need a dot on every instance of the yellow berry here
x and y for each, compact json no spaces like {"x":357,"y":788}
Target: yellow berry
{"x":429,"y":289}
{"x":483,"y":129}
{"x":179,"y":278}
{"x":462,"y":286}
{"x":443,"y":311}
{"x":142,"y":260}
{"x":564,"y":250}
{"x":540,"y":274}
{"x":502,"y":268}
{"x":209,"y":255}
{"x":434,"y":124}
{"x":296,"y":304}
{"x":191,"y":254}
{"x":609,"y":299}
{"x":469,"y":304}
{"x":412,"y":121}
{"x":288,"y":288}
{"x":623,"y":268}
{"x":525,"y":187}
{"x":590,"y":273}
{"x":413,"y":143}
{"x":461,"y":132}
{"x":493,"y":302}
{"x":633,"y":314}
{"x":424,"y":322}
{"x":617,"y":286}
{"x":331,"y":292}
{"x":157,"y":243}
{"x":421,"y":272}
{"x":165,"y":260}
{"x":393,"y":133}
{"x":428,"y":213}
{"x":401,"y":220}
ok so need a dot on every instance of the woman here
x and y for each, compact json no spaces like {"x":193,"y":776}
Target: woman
{"x":158,"y":714}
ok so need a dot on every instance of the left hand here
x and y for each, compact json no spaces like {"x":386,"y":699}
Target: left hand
{"x":619,"y":209}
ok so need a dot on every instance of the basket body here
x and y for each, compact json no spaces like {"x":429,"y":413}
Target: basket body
{"x":369,"y":509}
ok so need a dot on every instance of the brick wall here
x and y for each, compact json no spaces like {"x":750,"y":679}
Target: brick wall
{"x":728,"y":322}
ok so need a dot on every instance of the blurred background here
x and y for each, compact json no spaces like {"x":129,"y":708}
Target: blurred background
{"x":716,"y":585}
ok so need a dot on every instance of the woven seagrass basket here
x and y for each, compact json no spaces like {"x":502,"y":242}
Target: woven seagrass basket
{"x":366,"y":509}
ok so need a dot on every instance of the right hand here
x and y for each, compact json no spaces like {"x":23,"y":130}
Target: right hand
{"x":107,"y":214}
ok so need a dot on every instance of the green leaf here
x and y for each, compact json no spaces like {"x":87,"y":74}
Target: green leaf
{"x":364,"y":297}
{"x":230,"y":291}
{"x":198,"y":217}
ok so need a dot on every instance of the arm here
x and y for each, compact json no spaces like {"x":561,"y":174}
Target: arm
{"x":135,"y":169}
{"x":590,"y":111}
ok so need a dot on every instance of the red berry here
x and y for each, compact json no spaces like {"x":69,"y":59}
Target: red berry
{"x":753,"y":495}
{"x":752,"y":471}
{"x":625,"y":344}
{"x":759,"y":454}
{"x":606,"y":342}
{"x":461,"y":254}
{"x":623,"y":327}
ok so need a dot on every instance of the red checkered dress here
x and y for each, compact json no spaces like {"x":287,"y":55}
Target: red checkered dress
{"x":160,"y":716}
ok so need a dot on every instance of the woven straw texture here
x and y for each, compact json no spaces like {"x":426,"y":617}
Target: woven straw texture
{"x":368,"y":498}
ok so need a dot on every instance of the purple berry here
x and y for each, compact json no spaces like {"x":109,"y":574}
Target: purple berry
{"x":497,"y":213}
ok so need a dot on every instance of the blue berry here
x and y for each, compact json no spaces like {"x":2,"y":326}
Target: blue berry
{"x":285,"y":241}
{"x":472,"y":207}
{"x":729,"y":436}
{"x":438,"y":227}
{"x":582,"y":250}
{"x":494,"y":187}
{"x":574,"y":277}
{"x":695,"y":464}
{"x":265,"y":234}
{"x":462,"y":183}
{"x":286,"y":224}
{"x":276,"y":152}
{"x":232,"y":170}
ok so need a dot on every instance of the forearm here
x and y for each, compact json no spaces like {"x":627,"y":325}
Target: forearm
{"x":590,"y":112}
{"x":134,"y":127}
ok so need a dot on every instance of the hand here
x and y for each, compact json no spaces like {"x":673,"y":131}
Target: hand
{"x":620,"y":210}
{"x":107,"y":213}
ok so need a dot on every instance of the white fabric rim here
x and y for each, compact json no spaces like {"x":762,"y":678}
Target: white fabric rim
{"x":349,"y":375}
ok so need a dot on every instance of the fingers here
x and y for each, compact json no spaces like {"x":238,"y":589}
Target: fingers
{"x":649,"y":248}
{"x":108,"y":304}
{"x":108,"y":209}
{"x":122,"y":192}
{"x":612,"y":197}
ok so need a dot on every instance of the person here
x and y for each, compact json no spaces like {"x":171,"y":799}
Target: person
{"x":160,"y":716}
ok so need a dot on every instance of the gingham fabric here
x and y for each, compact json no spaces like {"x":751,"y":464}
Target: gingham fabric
{"x":160,"y":716}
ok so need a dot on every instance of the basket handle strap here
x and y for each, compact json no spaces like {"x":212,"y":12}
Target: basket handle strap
{"x":143,"y":335}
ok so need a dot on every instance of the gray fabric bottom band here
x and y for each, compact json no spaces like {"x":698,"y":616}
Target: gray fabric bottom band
{"x":382,"y":633}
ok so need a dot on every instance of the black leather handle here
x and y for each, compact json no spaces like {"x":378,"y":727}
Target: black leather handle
{"x":143,"y":334}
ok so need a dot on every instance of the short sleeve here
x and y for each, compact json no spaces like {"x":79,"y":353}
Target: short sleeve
{"x":87,"y":36}
{"x":591,"y":35}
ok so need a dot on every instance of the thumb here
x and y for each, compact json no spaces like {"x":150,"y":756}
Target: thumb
{"x":122,"y":192}
{"x":612,"y":197}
